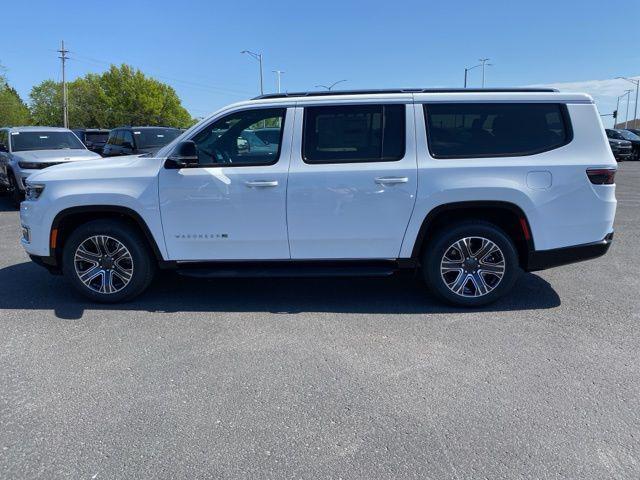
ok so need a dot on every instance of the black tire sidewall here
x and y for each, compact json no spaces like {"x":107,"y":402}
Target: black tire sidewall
{"x":444,"y":238}
{"x":143,"y":266}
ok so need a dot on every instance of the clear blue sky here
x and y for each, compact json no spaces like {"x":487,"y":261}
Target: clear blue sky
{"x":194,"y":45}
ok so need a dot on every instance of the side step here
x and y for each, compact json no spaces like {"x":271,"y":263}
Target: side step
{"x":285,"y":269}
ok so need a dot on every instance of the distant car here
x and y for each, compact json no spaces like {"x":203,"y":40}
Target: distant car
{"x":620,"y":134}
{"x":621,"y":149}
{"x":635,"y":131}
{"x":138,"y":140}
{"x":93,"y":138}
{"x":259,"y":139}
{"x":27,"y":150}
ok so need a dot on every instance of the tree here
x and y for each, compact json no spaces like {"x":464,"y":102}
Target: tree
{"x":13,"y":111}
{"x":120,"y":96}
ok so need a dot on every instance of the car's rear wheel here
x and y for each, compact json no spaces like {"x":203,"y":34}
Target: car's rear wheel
{"x":106,"y":261}
{"x":470,"y":264}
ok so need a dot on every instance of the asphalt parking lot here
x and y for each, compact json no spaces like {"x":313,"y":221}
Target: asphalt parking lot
{"x":326,"y":378}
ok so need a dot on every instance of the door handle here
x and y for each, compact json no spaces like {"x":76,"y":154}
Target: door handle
{"x":262,"y":183}
{"x":391,"y":180}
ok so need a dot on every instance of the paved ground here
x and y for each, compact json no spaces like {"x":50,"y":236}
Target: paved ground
{"x":324,"y":378}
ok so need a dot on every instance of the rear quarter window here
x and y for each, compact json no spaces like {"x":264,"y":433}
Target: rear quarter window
{"x":476,"y":130}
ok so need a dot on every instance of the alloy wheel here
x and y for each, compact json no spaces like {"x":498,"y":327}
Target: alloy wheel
{"x":103,"y":264}
{"x":472,"y":266}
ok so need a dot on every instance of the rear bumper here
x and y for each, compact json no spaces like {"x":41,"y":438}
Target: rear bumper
{"x":543,"y":259}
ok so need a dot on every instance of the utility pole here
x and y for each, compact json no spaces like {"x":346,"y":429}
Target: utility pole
{"x":278,"y":75}
{"x":65,"y":104}
{"x":483,"y":62}
{"x":616,"y":115}
{"x":258,"y":57}
{"x":635,"y":110}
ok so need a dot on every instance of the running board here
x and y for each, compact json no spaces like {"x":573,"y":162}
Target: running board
{"x":288,"y":269}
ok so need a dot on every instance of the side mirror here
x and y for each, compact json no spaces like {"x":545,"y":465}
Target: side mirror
{"x":185,"y":155}
{"x":3,"y":148}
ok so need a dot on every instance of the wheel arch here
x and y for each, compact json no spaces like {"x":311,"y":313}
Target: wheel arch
{"x":506,"y":215}
{"x":67,"y":220}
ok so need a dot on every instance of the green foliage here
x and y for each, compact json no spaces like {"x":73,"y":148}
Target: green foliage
{"x":119,"y":96}
{"x":13,"y":111}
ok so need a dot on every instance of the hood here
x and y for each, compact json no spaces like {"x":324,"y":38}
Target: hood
{"x":615,"y":141}
{"x":51,"y":156}
{"x":109,"y":167}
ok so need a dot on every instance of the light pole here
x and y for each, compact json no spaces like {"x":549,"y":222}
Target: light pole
{"x":616,"y":115}
{"x":483,"y":62}
{"x":626,"y":114}
{"x":330,"y":86}
{"x":635,"y":110}
{"x":258,"y":57}
{"x":278,"y":75}
{"x":467,"y":70}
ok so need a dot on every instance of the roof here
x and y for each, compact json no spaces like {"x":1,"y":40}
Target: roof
{"x":403,"y":90}
{"x":146,"y":126}
{"x":38,"y":129}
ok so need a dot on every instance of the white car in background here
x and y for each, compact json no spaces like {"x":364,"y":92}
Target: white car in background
{"x":27,"y":150}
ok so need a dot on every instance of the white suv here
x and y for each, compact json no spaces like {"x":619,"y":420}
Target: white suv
{"x":467,"y":186}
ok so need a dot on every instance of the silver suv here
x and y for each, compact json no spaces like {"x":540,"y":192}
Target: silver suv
{"x":27,"y":150}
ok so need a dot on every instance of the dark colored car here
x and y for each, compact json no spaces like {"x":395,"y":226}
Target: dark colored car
{"x":620,"y":134}
{"x":621,"y":149}
{"x":633,"y":130}
{"x":138,"y":140}
{"x":93,"y":138}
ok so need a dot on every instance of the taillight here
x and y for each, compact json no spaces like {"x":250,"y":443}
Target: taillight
{"x":601,"y":176}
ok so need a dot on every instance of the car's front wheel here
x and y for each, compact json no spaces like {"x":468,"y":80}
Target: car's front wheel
{"x":470,"y":264}
{"x":106,"y":261}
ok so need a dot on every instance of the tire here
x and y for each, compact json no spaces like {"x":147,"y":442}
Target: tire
{"x":15,"y":194}
{"x":470,"y":280}
{"x":104,"y":249}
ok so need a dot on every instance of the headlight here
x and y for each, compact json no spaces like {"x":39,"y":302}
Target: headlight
{"x":33,"y":191}
{"x":31,"y":165}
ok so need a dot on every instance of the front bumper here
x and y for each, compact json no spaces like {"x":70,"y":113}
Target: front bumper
{"x":543,"y":259}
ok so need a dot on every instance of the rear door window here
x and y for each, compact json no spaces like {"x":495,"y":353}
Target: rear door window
{"x":470,"y":130}
{"x":354,"y":133}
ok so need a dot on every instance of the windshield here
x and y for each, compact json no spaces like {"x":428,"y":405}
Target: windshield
{"x":629,"y":135}
{"x":23,"y":141}
{"x":96,"y":137}
{"x":155,"y":137}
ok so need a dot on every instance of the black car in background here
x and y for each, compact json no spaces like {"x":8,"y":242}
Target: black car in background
{"x":620,"y":134}
{"x":621,"y":149}
{"x":93,"y":138}
{"x":138,"y":140}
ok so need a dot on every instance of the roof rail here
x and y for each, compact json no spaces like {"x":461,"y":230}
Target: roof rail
{"x":404,"y":90}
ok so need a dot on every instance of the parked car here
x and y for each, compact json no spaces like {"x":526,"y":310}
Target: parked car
{"x":620,"y":134}
{"x":93,"y":138}
{"x":27,"y":150}
{"x":468,"y":187}
{"x":621,"y":149}
{"x":138,"y":140}
{"x":635,"y":131}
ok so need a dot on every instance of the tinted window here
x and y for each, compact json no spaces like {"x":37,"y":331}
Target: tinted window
{"x":23,"y":141}
{"x":354,"y":133}
{"x":127,"y":138}
{"x":464,"y":130}
{"x":241,"y":138}
{"x":155,"y":137}
{"x":96,"y":137}
{"x":627,"y":135}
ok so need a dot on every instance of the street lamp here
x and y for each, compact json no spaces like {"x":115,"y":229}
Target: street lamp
{"x":483,"y":62}
{"x":278,"y":75}
{"x":258,"y":57}
{"x":330,"y":86}
{"x":635,"y":111}
{"x":465,"y":73}
{"x":626,"y":115}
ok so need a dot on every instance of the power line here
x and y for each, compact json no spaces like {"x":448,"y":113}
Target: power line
{"x":82,"y":58}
